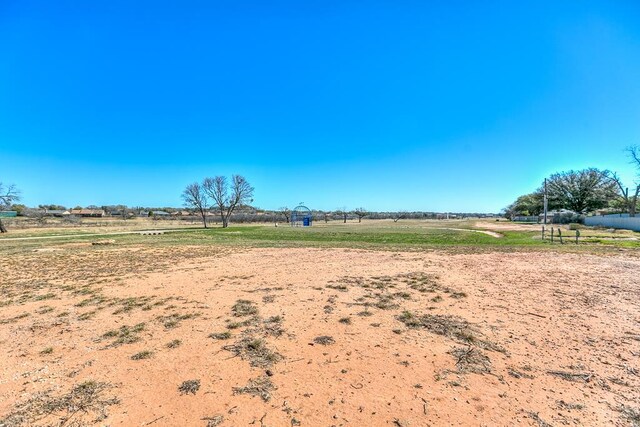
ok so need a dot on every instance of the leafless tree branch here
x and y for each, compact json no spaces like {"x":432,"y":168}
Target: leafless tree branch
{"x":228,"y":199}
{"x":8,"y":195}
{"x":196,"y":198}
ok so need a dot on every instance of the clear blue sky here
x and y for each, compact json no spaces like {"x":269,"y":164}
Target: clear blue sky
{"x":440,"y":106}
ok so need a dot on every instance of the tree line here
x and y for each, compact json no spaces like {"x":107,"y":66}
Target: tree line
{"x":582,"y":191}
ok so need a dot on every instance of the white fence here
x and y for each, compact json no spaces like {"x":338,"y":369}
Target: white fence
{"x":522,"y":218}
{"x":623,"y":221}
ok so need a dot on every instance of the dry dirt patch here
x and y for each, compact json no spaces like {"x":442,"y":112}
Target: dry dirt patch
{"x":258,"y":336}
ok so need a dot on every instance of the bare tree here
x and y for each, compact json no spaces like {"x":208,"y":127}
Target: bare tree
{"x":325,"y":216}
{"x":196,"y":198}
{"x":360,"y":213}
{"x":630,"y":201}
{"x":397,"y":216}
{"x":634,"y":152}
{"x":343,"y":212}
{"x":226,"y":198}
{"x":286,"y":212}
{"x":8,"y":195}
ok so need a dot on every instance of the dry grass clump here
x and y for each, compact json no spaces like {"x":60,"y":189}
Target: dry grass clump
{"x":47,"y":350}
{"x":173,"y":320}
{"x":146,"y":354}
{"x":471,"y":359}
{"x":631,"y":414}
{"x":453,"y":327}
{"x":125,"y":305}
{"x":345,"y":320}
{"x":324,"y":340}
{"x":385,"y":292}
{"x":45,"y":309}
{"x":214,"y":421}
{"x":261,"y":386}
{"x":84,"y":400}
{"x":572,"y":376}
{"x":268,"y":298}
{"x":254,"y":350}
{"x":189,"y":387}
{"x":339,"y":287}
{"x":536,"y":417}
{"x":569,"y":406}
{"x":220,"y":335}
{"x":252,"y":321}
{"x":244,"y":307}
{"x":125,"y":334}
{"x":86,"y":316}
{"x":385,"y":302}
{"x":174,"y":343}
{"x":273,"y":326}
{"x":14,"y":319}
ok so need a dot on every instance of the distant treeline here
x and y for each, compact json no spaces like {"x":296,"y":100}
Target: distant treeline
{"x":245,"y":214}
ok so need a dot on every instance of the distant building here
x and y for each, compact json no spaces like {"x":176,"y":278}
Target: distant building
{"x":526,"y":218}
{"x":88,"y":213}
{"x":8,"y":214}
{"x":56,"y":212}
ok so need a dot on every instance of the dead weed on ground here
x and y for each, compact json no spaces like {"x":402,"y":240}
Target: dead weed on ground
{"x":85,"y":400}
{"x":261,"y":386}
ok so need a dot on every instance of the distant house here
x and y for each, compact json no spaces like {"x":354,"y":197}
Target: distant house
{"x":525,"y":218}
{"x":181,"y":213}
{"x":88,"y":213}
{"x":55,"y":212}
{"x":8,"y":214}
{"x":160,"y":213}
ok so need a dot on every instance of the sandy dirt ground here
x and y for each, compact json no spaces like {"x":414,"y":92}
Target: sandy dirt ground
{"x":318,"y":337}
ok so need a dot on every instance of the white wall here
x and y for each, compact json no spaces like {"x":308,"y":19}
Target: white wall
{"x":614,"y":221}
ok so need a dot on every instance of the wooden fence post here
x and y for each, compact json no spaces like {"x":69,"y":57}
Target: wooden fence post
{"x":551,"y":234}
{"x":560,"y":235}
{"x":543,"y":232}
{"x":577,"y":236}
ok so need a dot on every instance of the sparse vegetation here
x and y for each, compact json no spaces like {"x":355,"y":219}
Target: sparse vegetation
{"x":255,"y":350}
{"x":632,"y":415}
{"x":214,"y":421}
{"x":261,"y":386}
{"x":471,"y":359}
{"x":125,"y":334}
{"x":244,"y":307}
{"x":85,"y":401}
{"x":173,"y":320}
{"x":189,"y":387}
{"x":220,"y":335}
{"x":174,"y":343}
{"x":146,"y":354}
{"x":324,"y":340}
{"x":79,"y":285}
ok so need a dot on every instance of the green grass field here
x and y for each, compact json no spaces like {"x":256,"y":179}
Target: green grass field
{"x":381,"y":235}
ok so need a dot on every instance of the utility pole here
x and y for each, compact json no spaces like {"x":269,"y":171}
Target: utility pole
{"x":545,"y":200}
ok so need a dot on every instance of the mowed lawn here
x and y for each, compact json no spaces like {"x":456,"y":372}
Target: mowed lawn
{"x":372,"y":234}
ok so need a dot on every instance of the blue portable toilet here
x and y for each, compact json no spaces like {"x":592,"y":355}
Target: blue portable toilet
{"x":301,"y":216}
